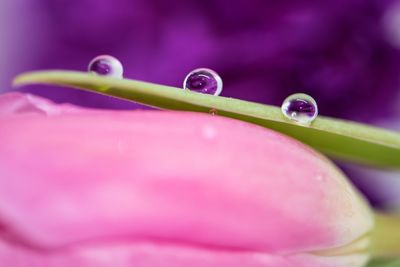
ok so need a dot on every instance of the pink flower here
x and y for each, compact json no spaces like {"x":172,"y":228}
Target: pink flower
{"x":81,"y":187}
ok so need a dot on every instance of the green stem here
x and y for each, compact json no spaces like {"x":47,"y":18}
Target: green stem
{"x":386,"y":236}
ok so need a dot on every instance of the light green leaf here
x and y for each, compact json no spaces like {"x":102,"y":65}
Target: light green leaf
{"x":339,"y":139}
{"x":384,"y":263}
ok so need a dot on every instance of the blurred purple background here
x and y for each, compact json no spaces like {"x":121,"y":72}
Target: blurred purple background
{"x":345,"y":53}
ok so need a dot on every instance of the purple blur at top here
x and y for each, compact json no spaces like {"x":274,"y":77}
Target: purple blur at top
{"x":204,"y":81}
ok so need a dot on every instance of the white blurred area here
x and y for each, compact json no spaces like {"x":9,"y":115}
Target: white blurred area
{"x":383,"y":186}
{"x":4,"y":43}
{"x":391,"y":23}
{"x":20,"y":32}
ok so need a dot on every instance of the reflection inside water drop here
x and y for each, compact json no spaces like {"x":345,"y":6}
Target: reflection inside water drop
{"x":300,"y":108}
{"x":205,"y":81}
{"x":106,"y":65}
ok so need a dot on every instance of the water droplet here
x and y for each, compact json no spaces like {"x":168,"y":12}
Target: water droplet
{"x":213,"y":111}
{"x":209,"y":132}
{"x":105,"y":65}
{"x":300,"y":108}
{"x":204,"y":81}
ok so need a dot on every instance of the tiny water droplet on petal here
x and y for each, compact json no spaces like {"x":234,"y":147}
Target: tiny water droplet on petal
{"x":204,"y":81}
{"x":106,"y":65}
{"x":209,"y":132}
{"x":300,"y":108}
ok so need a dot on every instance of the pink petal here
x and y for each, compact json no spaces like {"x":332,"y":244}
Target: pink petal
{"x":170,"y":188}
